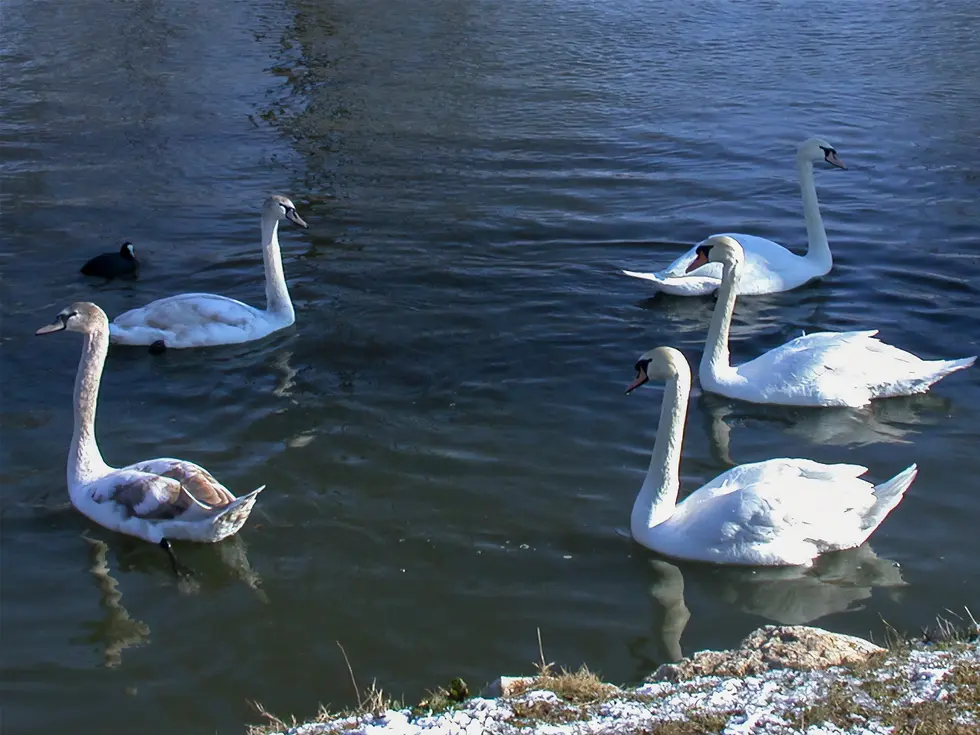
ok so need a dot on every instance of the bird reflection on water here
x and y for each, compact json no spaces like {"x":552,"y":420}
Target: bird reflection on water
{"x":836,"y":583}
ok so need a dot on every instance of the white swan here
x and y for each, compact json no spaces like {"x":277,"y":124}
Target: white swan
{"x":156,"y":500}
{"x":820,"y":369}
{"x":203,"y":319}
{"x":769,"y":267}
{"x":779,"y":512}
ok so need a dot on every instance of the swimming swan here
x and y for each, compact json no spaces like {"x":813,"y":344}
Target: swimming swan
{"x":156,"y":500}
{"x":769,"y":267}
{"x":820,"y":369}
{"x":203,"y":319}
{"x":779,"y":512}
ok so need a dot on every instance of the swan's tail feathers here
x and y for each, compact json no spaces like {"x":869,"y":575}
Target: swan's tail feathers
{"x":645,"y":276}
{"x":939,"y":369}
{"x":678,"y":285}
{"x":945,"y":367}
{"x":922,"y":377}
{"x":228,"y":520}
{"x":658,"y":283}
{"x":887,"y":495}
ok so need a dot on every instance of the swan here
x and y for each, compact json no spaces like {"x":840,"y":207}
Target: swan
{"x":113,"y":265}
{"x":769,"y":267}
{"x":203,"y":319}
{"x":156,"y":500}
{"x":819,"y":369}
{"x":780,"y":512}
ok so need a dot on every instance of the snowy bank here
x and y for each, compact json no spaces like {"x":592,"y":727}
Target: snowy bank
{"x":782,"y":679}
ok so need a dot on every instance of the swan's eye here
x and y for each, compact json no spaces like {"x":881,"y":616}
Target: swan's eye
{"x":641,"y":366}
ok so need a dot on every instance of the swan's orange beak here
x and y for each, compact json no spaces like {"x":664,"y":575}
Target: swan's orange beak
{"x":831,"y":158}
{"x":641,"y":378}
{"x":700,"y":259}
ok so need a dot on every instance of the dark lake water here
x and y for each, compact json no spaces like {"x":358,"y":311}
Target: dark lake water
{"x":449,"y":455}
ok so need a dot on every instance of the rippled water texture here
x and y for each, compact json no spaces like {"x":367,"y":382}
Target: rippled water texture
{"x":449,"y":455}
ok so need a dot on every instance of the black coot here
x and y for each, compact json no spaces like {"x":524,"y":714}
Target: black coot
{"x":114,"y":265}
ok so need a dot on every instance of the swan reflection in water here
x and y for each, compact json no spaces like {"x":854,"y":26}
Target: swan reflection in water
{"x":284,"y":387}
{"x":888,"y":421}
{"x":836,"y":583}
{"x":117,"y":630}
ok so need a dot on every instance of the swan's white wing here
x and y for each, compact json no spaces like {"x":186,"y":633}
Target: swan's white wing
{"x":775,"y":506}
{"x":188,"y":311}
{"x":835,"y":368}
{"x":772,"y":472}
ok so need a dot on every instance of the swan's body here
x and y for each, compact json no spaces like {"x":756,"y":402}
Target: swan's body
{"x":155,"y":500}
{"x":113,"y":265}
{"x":820,"y":369}
{"x":769,"y":267}
{"x":779,"y":512}
{"x":203,"y":319}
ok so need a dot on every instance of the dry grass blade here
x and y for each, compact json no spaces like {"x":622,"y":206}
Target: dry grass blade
{"x":544,"y":668}
{"x":578,"y":687}
{"x":272,"y":724}
{"x":374,"y":701}
{"x":350,"y":670}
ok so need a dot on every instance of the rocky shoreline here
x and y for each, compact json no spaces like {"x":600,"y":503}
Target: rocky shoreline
{"x":780,"y":680}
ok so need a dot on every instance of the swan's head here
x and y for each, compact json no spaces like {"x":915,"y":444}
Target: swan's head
{"x":82,"y":316}
{"x":817,"y":149}
{"x":660,"y":363}
{"x":281,"y":207}
{"x":717,"y":249}
{"x":128,"y":251}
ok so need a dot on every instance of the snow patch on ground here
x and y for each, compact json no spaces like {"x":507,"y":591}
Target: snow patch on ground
{"x":771,"y":703}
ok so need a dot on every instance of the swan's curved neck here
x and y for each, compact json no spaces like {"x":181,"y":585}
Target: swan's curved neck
{"x":818,"y":250}
{"x":658,"y":496}
{"x":277,"y":300}
{"x":716,"y":359}
{"x":85,"y":463}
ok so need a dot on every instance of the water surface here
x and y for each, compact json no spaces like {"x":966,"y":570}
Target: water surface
{"x":449,"y":455}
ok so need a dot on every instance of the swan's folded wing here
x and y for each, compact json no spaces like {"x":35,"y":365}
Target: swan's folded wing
{"x":193,"y":479}
{"x":146,"y":495}
{"x":836,"y":363}
{"x":188,"y":310}
{"x":809,"y":469}
{"x":772,"y":472}
{"x":822,"y":501}
{"x":776,"y":479}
